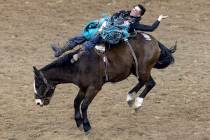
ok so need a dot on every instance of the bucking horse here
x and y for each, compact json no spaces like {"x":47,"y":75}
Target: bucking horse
{"x":90,"y":73}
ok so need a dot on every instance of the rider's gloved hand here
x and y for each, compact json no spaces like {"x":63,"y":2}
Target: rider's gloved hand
{"x":103,"y":26}
{"x":162,"y":17}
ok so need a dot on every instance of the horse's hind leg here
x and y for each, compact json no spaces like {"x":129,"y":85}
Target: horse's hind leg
{"x":77,"y":101}
{"x":131,"y":94}
{"x":148,"y":86}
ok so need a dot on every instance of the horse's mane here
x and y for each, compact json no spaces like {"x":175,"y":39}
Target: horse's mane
{"x":61,"y":61}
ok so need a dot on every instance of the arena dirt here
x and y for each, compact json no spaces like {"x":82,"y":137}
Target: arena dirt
{"x":177,"y":108}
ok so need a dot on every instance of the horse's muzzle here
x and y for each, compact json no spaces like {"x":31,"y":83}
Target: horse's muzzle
{"x":39,"y":102}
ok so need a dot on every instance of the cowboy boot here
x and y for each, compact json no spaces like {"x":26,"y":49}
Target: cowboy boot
{"x":57,"y":50}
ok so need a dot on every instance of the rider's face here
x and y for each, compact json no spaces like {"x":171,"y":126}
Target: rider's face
{"x":136,"y":12}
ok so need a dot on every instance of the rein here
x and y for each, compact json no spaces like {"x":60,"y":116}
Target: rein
{"x":104,"y":58}
{"x":49,"y":87}
{"x":134,"y":57}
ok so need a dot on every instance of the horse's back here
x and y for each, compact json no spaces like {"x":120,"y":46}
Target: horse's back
{"x":146,"y":47}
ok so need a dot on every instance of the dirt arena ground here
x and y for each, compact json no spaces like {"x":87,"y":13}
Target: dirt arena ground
{"x":178,"y":108}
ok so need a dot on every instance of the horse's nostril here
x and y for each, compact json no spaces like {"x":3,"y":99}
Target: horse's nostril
{"x":39,"y":102}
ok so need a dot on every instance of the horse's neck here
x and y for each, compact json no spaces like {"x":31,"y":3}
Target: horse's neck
{"x":60,"y":74}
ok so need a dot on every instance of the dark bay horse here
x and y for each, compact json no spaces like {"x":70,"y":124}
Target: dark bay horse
{"x":88,"y":73}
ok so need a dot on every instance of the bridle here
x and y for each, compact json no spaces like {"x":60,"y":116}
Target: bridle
{"x":49,"y":86}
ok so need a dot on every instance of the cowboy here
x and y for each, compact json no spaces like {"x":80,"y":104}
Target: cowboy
{"x":130,"y":17}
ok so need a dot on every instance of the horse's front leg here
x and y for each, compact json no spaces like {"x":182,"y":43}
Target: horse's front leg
{"x":89,"y":96}
{"x":77,"y":101}
{"x":131,"y":94}
{"x":148,"y":86}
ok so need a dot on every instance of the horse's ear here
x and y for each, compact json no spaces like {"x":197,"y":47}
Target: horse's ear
{"x":36,"y":72}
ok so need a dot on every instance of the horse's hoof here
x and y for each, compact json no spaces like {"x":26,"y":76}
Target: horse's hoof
{"x":130,"y":103}
{"x":80,"y":128}
{"x":88,"y":132}
{"x":86,"y":127}
{"x":130,"y":99}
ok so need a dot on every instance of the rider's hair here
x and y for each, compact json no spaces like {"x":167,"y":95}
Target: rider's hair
{"x":143,"y":10}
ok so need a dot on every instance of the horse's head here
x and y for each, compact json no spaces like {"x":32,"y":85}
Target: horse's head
{"x":43,"y":90}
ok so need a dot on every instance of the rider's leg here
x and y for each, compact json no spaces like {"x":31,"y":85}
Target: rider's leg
{"x":87,"y":46}
{"x":70,"y":44}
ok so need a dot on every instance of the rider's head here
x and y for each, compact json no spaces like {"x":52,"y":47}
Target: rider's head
{"x":138,"y":11}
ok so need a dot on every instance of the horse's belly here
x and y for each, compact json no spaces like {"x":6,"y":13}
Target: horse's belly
{"x":118,"y":74}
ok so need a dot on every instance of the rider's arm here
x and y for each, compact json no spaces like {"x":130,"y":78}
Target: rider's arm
{"x":148,"y":28}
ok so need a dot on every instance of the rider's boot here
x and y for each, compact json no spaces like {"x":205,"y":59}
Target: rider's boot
{"x":58,"y":51}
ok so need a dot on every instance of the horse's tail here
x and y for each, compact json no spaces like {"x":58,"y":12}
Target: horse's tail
{"x":166,"y":57}
{"x":173,"y":49}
